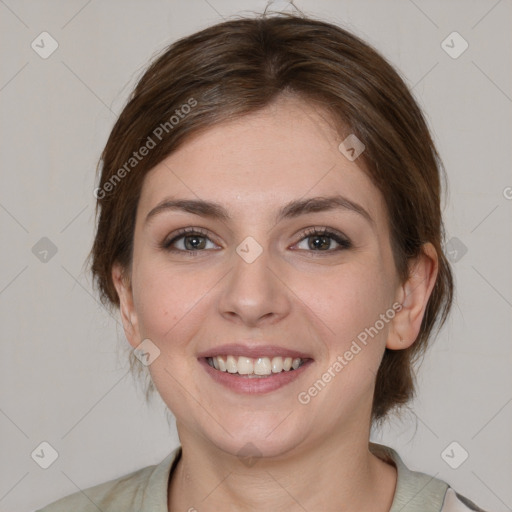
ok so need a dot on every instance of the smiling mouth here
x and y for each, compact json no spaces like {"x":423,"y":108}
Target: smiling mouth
{"x":255,"y":367}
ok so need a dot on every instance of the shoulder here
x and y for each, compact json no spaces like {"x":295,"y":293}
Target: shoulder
{"x":419,"y":492}
{"x":110,"y":495}
{"x":454,"y":502}
{"x":146,"y":487}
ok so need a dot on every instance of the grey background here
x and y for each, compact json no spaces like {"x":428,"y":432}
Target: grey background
{"x":64,"y":360}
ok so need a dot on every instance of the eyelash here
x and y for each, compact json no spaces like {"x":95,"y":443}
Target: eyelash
{"x":342,"y":241}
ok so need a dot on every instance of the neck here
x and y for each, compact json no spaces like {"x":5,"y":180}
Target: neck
{"x":341,"y":474}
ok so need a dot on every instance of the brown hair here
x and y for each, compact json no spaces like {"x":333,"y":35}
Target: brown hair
{"x":240,"y":66}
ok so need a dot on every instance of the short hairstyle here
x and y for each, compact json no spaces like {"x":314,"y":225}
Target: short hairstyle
{"x":240,"y":66}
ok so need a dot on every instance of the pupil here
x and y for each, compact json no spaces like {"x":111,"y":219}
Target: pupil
{"x":196,"y":242}
{"x":323,"y":243}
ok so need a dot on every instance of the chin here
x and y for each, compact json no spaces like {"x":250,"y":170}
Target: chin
{"x":254,"y":439}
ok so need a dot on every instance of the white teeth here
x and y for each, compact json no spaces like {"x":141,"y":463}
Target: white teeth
{"x":231,"y":364}
{"x":221,"y":362}
{"x":262,"y":366}
{"x":277,"y":364}
{"x":245,"y":366}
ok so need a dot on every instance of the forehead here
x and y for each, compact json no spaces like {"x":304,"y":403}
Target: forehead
{"x":255,"y":163}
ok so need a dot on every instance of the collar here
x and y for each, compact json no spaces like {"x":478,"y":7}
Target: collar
{"x":415,"y":491}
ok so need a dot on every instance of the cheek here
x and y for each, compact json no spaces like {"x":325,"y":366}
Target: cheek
{"x":349,"y":301}
{"x":163,"y":298}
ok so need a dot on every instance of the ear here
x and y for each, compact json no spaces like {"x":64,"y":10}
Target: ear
{"x":126,"y":307}
{"x":413,"y":296}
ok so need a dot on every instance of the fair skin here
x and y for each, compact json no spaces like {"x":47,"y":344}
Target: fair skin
{"x":294,"y":295}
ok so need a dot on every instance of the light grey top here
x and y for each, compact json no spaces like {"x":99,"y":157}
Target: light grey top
{"x":145,"y":490}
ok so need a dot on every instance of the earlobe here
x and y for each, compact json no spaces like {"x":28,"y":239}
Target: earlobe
{"x":413,"y":296}
{"x":126,"y":306}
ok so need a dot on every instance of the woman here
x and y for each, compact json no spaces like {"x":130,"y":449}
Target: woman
{"x":270,"y":229}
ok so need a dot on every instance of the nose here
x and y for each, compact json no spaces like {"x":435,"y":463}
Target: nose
{"x":255,"y":292}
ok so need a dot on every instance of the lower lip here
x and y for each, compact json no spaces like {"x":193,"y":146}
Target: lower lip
{"x":254,"y":385}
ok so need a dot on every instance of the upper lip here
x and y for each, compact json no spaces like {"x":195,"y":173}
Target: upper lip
{"x":253,"y":351}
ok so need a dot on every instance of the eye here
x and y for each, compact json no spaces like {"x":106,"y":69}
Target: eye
{"x":322,"y":239}
{"x":193,"y":240}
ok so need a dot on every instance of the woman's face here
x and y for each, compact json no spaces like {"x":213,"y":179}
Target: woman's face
{"x":262,"y":281}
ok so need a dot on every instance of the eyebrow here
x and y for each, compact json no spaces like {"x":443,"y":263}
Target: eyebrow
{"x":291,"y":210}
